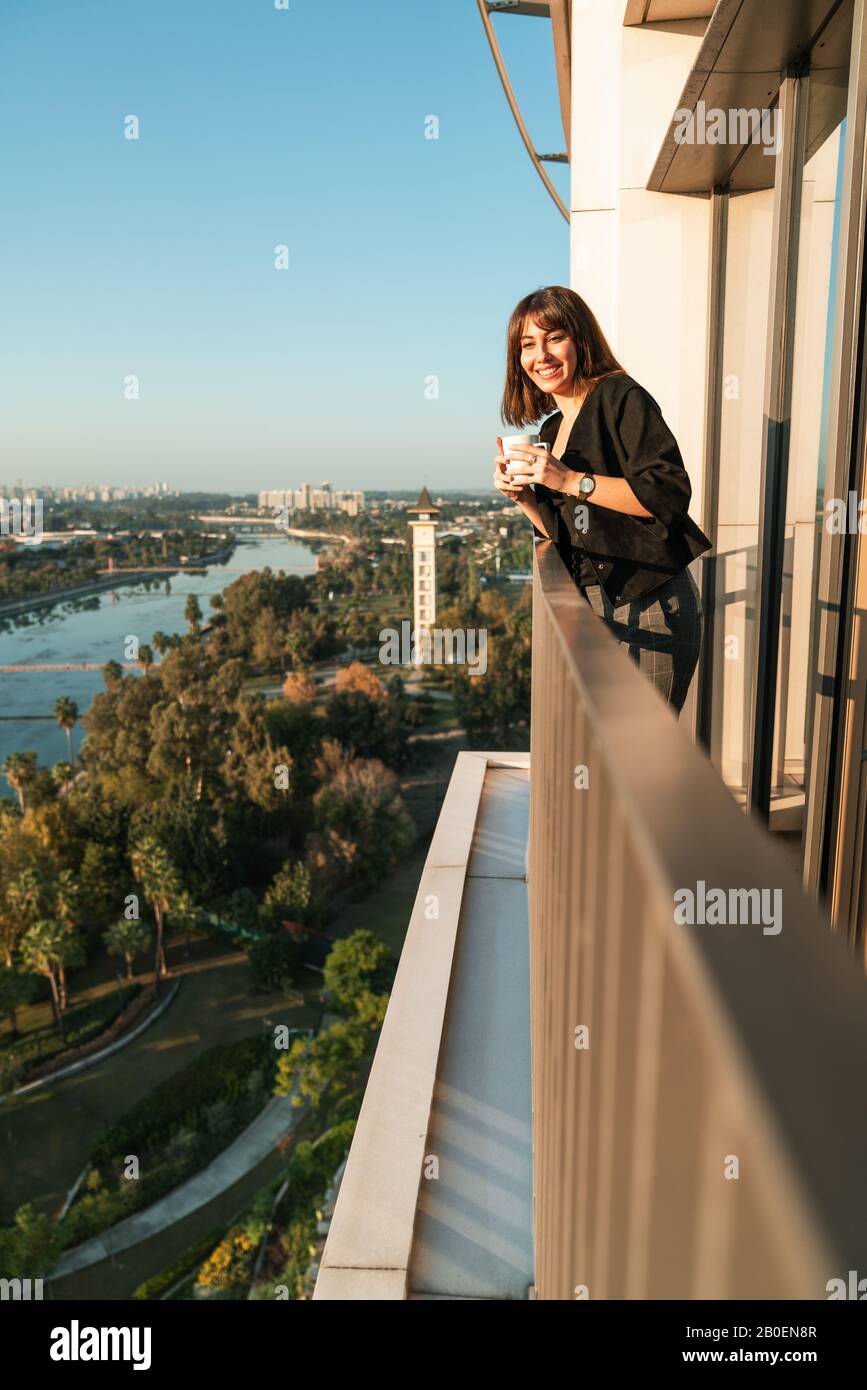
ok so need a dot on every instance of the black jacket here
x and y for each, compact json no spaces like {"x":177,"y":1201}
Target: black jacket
{"x":620,"y":433}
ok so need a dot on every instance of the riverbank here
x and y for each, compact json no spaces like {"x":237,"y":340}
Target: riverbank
{"x":321,"y":535}
{"x":10,"y":608}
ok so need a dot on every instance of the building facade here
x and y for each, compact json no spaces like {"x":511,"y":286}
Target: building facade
{"x":722,"y":144}
{"x":312,"y":499}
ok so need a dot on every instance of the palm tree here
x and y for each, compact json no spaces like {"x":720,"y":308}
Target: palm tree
{"x":193,"y":612}
{"x":19,"y":769}
{"x":63,"y":774}
{"x":45,"y":949}
{"x":126,"y":938}
{"x":161,"y":885}
{"x":26,"y":895}
{"x":145,"y":656}
{"x":66,"y":902}
{"x":112,"y":674}
{"x":66,"y":714}
{"x":160,"y":643}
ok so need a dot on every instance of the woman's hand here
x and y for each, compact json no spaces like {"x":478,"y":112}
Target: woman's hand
{"x":535,"y":465}
{"x":503,"y":481}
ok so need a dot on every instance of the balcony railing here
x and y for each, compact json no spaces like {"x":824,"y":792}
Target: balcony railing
{"x":703,"y":1133}
{"x":698,"y":1118}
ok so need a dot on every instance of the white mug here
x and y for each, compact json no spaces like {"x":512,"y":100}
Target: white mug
{"x":520,"y":441}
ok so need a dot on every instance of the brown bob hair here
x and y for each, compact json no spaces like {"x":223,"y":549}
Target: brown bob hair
{"x":554,"y":307}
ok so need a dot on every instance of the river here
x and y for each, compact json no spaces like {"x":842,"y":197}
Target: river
{"x":94,"y":629}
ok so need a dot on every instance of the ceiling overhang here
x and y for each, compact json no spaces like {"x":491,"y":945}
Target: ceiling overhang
{"x":666,"y":11}
{"x":744,"y":56}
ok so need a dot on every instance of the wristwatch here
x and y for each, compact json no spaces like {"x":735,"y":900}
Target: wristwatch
{"x":586,"y":485}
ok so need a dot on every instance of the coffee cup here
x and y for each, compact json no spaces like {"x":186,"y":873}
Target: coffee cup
{"x":520,"y":441}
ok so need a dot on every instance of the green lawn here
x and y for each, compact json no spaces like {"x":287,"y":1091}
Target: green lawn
{"x":46,"y":1136}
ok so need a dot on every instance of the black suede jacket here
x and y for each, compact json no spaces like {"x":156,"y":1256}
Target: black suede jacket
{"x":620,"y":433}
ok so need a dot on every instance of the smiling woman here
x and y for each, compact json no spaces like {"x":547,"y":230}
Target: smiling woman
{"x":606,"y":484}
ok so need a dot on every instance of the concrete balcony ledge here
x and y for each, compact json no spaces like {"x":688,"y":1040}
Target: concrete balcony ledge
{"x":436,"y":1199}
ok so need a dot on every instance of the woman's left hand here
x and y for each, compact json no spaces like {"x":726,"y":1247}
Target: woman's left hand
{"x":538,"y":466}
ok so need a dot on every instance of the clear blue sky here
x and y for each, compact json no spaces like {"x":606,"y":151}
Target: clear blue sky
{"x":155,"y":257}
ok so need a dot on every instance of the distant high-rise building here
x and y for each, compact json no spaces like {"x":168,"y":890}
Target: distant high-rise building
{"x":309,"y":499}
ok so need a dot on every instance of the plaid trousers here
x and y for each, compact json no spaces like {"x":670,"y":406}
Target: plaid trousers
{"x":662,"y":631}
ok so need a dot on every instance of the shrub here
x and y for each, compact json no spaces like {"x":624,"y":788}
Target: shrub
{"x":186,"y":1262}
{"x":220,"y":1074}
{"x":230,"y":1266}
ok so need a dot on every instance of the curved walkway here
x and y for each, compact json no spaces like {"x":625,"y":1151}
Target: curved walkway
{"x":248,"y":1150}
{"x":47,"y":1135}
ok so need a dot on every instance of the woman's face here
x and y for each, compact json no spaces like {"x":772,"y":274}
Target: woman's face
{"x":548,"y":357}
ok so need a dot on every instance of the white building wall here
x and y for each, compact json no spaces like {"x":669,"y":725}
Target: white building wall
{"x":640,"y":259}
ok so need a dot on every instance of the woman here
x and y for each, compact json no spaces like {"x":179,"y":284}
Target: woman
{"x":610,"y":490}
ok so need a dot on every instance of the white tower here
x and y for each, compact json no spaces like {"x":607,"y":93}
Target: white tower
{"x":423,"y":570}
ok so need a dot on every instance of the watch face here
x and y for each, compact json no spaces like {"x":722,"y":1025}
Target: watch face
{"x":586,"y":485}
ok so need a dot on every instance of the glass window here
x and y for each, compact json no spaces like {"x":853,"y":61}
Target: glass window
{"x":814,"y":324}
{"x":748,"y":266}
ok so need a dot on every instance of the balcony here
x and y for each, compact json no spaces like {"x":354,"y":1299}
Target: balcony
{"x":575,"y":1095}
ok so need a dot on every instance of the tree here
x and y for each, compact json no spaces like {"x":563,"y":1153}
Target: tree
{"x":19,"y":769}
{"x":494,"y":708}
{"x":299,"y":687}
{"x":253,"y":759}
{"x":328,"y":1066}
{"x":266,"y":648}
{"x":160,"y":643}
{"x":190,"y":727}
{"x":358,"y":626}
{"x":66,"y":714}
{"x":161,"y":884}
{"x":29,"y":1248}
{"x":63,"y":774}
{"x":251,"y":595}
{"x":27,"y":896}
{"x":193,"y":613}
{"x":16,"y":897}
{"x":65,"y":907}
{"x":307,"y":635}
{"x":288,"y":896}
{"x":100,"y":875}
{"x":118,"y":725}
{"x":112,"y":674}
{"x":357,"y":964}
{"x":275,"y":961}
{"x":361,"y":827}
{"x":127,"y":939}
{"x":145,"y":656}
{"x":188,"y":825}
{"x":357,"y":676}
{"x":367,"y":723}
{"x":47,"y":948}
